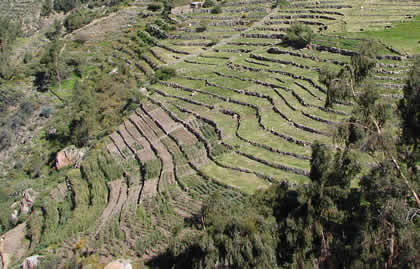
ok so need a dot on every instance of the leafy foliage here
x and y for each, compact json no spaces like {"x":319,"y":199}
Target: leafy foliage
{"x":216,"y":10}
{"x":208,"y":3}
{"x":154,"y":6}
{"x":299,"y":35}
{"x":46,"y":8}
{"x":339,"y":85}
{"x":156,"y":31}
{"x":325,"y":224}
{"x":364,"y":60}
{"x":281,"y":3}
{"x":83,"y":124}
{"x":164,"y":73}
{"x":51,"y":68}
{"x":202,"y":27}
{"x":366,"y":128}
{"x":65,"y":5}
{"x":409,"y":107}
{"x":78,"y":18}
{"x":233,"y":237}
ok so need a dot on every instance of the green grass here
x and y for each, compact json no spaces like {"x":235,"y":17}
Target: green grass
{"x":247,"y":183}
{"x":64,"y":90}
{"x":404,"y":37}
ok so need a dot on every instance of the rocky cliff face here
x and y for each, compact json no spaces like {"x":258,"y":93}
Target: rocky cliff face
{"x":70,"y":156}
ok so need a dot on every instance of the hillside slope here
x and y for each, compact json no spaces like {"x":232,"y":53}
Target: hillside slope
{"x":240,"y":115}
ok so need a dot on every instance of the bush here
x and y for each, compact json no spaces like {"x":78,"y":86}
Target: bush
{"x":64,"y":5}
{"x":154,"y":6}
{"x":364,"y":60}
{"x":6,"y":139}
{"x":155,"y":31}
{"x":202,"y":27}
{"x":27,"y":58}
{"x":146,"y":39}
{"x":46,"y":8}
{"x":164,"y":73}
{"x":216,"y":10}
{"x":151,"y":169}
{"x":281,"y":3}
{"x":299,"y":35}
{"x":46,"y":112}
{"x":208,"y":3}
{"x":77,"y":19}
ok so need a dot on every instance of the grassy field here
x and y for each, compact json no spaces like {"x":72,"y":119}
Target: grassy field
{"x":405,"y":37}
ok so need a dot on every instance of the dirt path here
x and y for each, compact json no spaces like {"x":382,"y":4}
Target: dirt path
{"x":227,"y":40}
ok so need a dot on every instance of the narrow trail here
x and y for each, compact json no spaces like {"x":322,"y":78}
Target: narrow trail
{"x":227,"y":40}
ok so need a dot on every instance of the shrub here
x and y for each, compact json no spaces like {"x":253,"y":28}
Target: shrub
{"x":202,"y":27}
{"x":216,"y":10}
{"x":46,"y":112}
{"x":6,"y":139}
{"x":364,"y":60}
{"x":299,"y":35}
{"x":208,"y":3}
{"x":281,"y":3}
{"x":64,"y":5}
{"x":155,"y":31}
{"x":77,"y":19}
{"x":164,"y":73}
{"x":151,"y":169}
{"x":27,"y":58}
{"x":154,"y":6}
{"x":46,"y":8}
{"x":146,"y":39}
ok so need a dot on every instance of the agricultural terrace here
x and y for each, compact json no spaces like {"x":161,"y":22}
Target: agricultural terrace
{"x":241,"y":113}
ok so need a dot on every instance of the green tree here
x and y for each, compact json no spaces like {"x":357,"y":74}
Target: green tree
{"x":83,"y":125}
{"x":164,"y":73}
{"x":388,"y":233}
{"x":364,"y":60}
{"x":216,"y":10}
{"x":310,"y":220}
{"x":51,"y":68}
{"x":208,"y":3}
{"x":154,"y":6}
{"x":339,"y":85}
{"x":232,"y":236}
{"x":56,"y":32}
{"x":65,"y":5}
{"x":409,"y":108}
{"x":299,"y":35}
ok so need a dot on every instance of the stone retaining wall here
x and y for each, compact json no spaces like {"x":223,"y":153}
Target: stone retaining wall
{"x":302,"y":55}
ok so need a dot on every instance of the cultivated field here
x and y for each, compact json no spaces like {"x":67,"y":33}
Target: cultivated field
{"x":241,"y":114}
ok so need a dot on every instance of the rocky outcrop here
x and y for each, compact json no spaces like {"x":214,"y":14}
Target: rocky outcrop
{"x":28,"y":198}
{"x":70,"y":156}
{"x":30,"y":262}
{"x":119,"y":264}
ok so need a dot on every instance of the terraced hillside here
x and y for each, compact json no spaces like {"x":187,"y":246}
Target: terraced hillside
{"x":240,"y":115}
